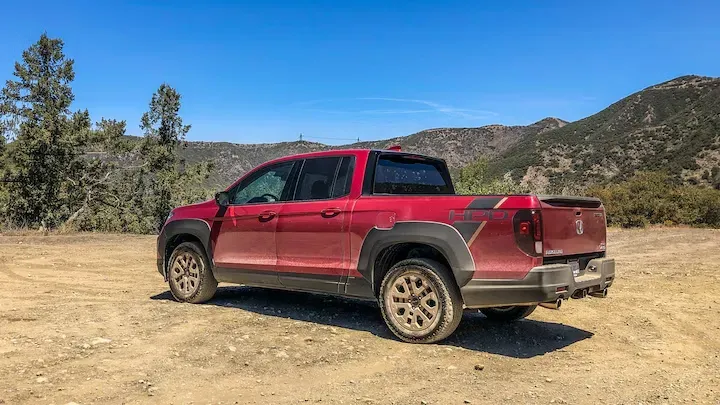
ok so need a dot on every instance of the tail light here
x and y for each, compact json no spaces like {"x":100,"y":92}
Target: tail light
{"x":537,"y":225}
{"x":528,"y":232}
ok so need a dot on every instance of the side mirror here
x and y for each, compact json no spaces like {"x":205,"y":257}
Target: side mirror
{"x":222,"y":198}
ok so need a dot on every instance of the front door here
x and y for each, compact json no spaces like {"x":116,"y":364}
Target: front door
{"x":312,"y":232}
{"x":245,"y":248}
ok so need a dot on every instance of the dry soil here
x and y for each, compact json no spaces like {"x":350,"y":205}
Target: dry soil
{"x":86,"y":318}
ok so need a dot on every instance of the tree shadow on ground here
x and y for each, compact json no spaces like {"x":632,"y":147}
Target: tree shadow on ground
{"x":523,"y":339}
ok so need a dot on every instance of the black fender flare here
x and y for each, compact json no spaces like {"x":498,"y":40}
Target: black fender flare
{"x":194,"y":227}
{"x":443,"y":237}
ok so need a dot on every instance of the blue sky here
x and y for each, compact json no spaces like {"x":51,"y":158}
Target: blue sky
{"x":266,"y":71}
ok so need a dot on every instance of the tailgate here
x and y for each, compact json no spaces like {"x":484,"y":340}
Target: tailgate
{"x":572,"y":225}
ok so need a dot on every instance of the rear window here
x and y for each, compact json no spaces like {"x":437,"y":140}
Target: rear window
{"x":408,"y":174}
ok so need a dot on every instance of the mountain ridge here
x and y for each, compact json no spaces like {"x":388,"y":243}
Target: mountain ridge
{"x":458,"y":146}
{"x":673,"y":126}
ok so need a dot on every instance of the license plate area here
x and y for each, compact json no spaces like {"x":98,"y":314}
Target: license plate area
{"x":575,"y":267}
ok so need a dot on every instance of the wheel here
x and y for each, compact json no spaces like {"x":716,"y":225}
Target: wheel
{"x":508,"y":314}
{"x":420,"y":301}
{"x":189,"y":274}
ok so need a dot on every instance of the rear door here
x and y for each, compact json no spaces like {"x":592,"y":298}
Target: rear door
{"x":312,"y":235}
{"x":572,"y":226}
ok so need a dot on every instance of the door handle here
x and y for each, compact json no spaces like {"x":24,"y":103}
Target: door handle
{"x":266,"y":216}
{"x":330,"y":212}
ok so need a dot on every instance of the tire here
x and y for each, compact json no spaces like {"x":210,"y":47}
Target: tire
{"x":189,"y":274}
{"x":409,"y":320}
{"x":508,"y":314}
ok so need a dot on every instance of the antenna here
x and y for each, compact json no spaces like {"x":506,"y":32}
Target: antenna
{"x":300,"y":136}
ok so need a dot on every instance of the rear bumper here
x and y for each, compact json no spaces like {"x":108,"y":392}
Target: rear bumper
{"x":542,"y":284}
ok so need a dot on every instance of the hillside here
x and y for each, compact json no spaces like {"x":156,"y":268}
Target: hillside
{"x":458,"y":146}
{"x":672,"y":126}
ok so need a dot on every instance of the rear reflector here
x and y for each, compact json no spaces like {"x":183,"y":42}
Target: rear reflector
{"x":525,"y":228}
{"x":538,"y":247}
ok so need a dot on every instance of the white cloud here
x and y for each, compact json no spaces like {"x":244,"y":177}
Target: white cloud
{"x":432,"y":107}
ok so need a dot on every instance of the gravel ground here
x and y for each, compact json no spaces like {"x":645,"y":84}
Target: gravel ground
{"x":86,"y":318}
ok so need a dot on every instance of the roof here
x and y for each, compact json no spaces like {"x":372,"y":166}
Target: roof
{"x":335,"y":152}
{"x":330,"y":152}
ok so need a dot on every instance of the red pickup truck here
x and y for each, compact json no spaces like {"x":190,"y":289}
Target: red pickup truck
{"x":386,"y":225}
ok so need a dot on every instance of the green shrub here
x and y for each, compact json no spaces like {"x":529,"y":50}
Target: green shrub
{"x":474,"y":179}
{"x":654,"y":198}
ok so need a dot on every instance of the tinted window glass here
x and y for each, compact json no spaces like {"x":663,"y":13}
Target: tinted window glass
{"x":264,"y":186}
{"x":401,"y":174}
{"x":344,"y":177}
{"x":316,"y":179}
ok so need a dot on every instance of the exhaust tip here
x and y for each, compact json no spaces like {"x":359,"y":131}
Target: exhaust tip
{"x":551,"y":305}
{"x":600,"y":294}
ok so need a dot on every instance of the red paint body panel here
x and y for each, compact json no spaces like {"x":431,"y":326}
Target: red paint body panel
{"x":204,"y":211}
{"x":372,"y":211}
{"x":560,"y":231}
{"x":496,"y":254}
{"x":298,"y":239}
{"x":246,"y":241}
{"x":310,"y":242}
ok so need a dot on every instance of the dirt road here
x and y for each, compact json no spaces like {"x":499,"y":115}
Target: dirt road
{"x":87,"y":319}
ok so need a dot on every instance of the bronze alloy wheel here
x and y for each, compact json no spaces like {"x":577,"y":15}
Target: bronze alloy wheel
{"x":185,"y":274}
{"x":420,"y":301}
{"x":189,"y":274}
{"x":412,"y":303}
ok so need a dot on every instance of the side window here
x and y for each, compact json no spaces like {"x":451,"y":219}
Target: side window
{"x":316,"y":179}
{"x":265,"y":186}
{"x":344,"y":177}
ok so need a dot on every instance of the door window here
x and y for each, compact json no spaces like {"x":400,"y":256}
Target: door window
{"x":317,"y":178}
{"x":264,"y":186}
{"x":344,"y":177}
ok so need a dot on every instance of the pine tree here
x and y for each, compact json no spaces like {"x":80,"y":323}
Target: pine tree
{"x":37,"y":106}
{"x":3,"y":183}
{"x":92,"y":180}
{"x":171,"y":182}
{"x":47,"y":174}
